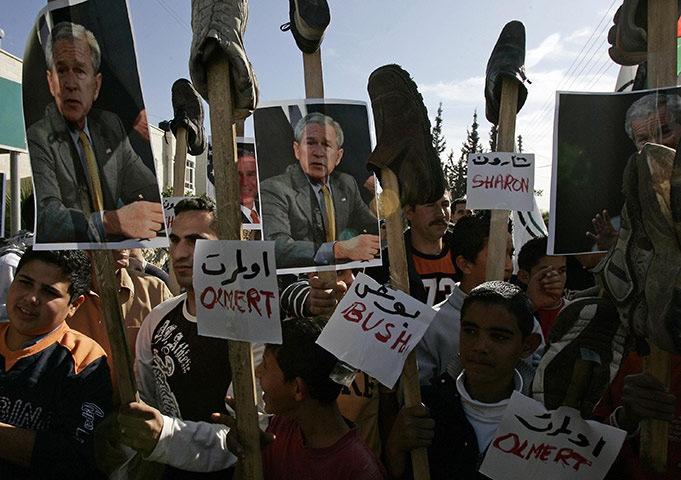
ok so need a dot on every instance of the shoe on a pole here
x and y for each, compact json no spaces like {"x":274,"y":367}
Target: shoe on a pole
{"x":642,"y":272}
{"x":588,"y":329}
{"x":507,"y":60}
{"x":403,"y":138}
{"x":308,"y":22}
{"x":629,"y":34}
{"x":188,"y":111}
{"x":220,"y":25}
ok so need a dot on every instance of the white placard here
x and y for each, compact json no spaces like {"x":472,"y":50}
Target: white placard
{"x":237,"y":297}
{"x":554,"y":445}
{"x":374,"y":328}
{"x":500,"y":181}
{"x":169,"y":210}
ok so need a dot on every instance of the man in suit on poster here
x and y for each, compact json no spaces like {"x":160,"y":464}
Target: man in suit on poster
{"x":76,"y":150}
{"x":314,"y":213}
{"x":248,"y":186}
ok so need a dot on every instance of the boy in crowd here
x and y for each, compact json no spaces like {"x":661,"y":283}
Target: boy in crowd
{"x":459,"y":209}
{"x":469,"y":247}
{"x":533,"y":259}
{"x":54,"y":382}
{"x":311,"y":438}
{"x":464,"y":406}
{"x":171,"y":425}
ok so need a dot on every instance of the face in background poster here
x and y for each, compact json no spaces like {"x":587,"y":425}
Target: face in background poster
{"x":594,"y":137}
{"x":249,"y":190}
{"x":312,"y":162}
{"x":87,"y":131}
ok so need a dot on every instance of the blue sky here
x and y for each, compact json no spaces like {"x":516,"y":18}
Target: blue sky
{"x":444,"y":44}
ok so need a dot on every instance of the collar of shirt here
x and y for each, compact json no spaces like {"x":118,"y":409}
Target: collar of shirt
{"x":30,"y":343}
{"x":318,"y":188}
{"x":247,"y":212}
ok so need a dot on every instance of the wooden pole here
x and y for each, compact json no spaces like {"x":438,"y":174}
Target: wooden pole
{"x":314,"y":88}
{"x":662,"y":20}
{"x":314,"y":79}
{"x":498,"y":229}
{"x":229,"y":228}
{"x":107,"y":286}
{"x":180,"y":162}
{"x":399,"y":278}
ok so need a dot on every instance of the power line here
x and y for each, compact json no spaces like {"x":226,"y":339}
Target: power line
{"x":570,"y":73}
{"x":175,"y":16}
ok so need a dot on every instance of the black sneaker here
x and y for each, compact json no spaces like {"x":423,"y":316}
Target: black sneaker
{"x":188,"y":111}
{"x":308,"y":22}
{"x":507,"y":60}
{"x":403,"y":137}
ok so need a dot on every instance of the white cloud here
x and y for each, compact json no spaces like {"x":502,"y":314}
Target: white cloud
{"x":548,"y":47}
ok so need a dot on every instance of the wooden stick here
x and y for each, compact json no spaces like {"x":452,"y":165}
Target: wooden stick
{"x":229,"y":228}
{"x":180,"y":162}
{"x":662,"y":19}
{"x":107,"y":287}
{"x":314,"y":88}
{"x":399,"y":278}
{"x":498,"y":229}
{"x":314,"y":79}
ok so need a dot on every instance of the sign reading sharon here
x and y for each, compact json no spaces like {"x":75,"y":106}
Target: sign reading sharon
{"x":235,"y":284}
{"x":500,"y":181}
{"x":374,"y":328}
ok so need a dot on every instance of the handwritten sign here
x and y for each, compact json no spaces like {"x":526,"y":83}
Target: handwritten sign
{"x":169,"y":209}
{"x":374,"y":328}
{"x":235,"y":283}
{"x":500,"y":181}
{"x":545,"y":444}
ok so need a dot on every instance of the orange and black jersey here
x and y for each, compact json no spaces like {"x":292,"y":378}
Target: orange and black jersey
{"x":61,"y":388}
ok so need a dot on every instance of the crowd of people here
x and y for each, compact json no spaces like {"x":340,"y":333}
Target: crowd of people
{"x":61,"y":415}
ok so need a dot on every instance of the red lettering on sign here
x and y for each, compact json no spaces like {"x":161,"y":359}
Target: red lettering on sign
{"x":501,"y":182}
{"x":233,"y":300}
{"x":367,"y":328}
{"x":385,"y":337}
{"x":401,"y":341}
{"x":354,"y":312}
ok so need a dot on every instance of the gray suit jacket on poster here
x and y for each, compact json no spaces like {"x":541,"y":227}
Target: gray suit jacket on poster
{"x":293,"y":218}
{"x":62,"y":194}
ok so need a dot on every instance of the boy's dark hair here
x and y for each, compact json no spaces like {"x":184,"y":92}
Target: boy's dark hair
{"x":201,"y":204}
{"x":505,"y":295}
{"x":456,"y":201}
{"x":533,"y":251}
{"x":300,"y":356}
{"x":73,"y":263}
{"x":470,"y":234}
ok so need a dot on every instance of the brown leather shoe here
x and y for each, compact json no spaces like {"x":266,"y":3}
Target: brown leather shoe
{"x":403,"y":139}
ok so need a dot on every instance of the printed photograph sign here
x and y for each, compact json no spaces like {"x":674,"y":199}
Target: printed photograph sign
{"x":88,"y":139}
{"x":318,"y":199}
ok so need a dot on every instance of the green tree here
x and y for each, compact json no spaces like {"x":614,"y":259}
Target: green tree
{"x":458,"y":173}
{"x":493,"y":133}
{"x":439,"y":141}
{"x":520,"y":143}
